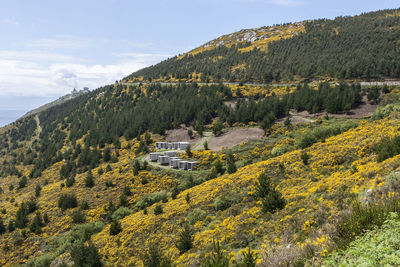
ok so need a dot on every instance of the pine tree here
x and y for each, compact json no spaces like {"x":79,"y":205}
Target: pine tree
{"x":89,"y":180}
{"x":185,"y":239}
{"x":271,"y":199}
{"x":230,"y":162}
{"x":2,"y":227}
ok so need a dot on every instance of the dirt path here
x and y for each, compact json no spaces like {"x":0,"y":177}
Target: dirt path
{"x":38,"y":130}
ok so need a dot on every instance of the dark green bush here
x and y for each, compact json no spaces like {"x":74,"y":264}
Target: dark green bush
{"x":67,"y":201}
{"x":387,"y":148}
{"x":115,"y":227}
{"x":158,"y":210}
{"x":185,"y":239}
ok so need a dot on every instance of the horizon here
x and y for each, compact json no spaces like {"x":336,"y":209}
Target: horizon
{"x":50,"y":48}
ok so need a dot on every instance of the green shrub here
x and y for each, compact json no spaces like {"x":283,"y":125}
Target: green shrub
{"x":154,"y":257}
{"x":67,"y":201}
{"x":378,"y":247}
{"x":78,"y":234}
{"x":78,"y":216}
{"x":362,"y":218}
{"x":385,"y":111}
{"x":152,"y":198}
{"x":216,"y":258}
{"x":280,"y":150}
{"x":387,"y":148}
{"x":320,"y":133}
{"x":221,"y":203}
{"x":41,"y":261}
{"x":121,"y":213}
{"x":85,"y":255}
{"x":196,"y":215}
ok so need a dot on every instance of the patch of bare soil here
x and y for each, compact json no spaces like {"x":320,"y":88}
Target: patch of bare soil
{"x":234,"y":137}
{"x":365,"y":109}
{"x":181,"y":135}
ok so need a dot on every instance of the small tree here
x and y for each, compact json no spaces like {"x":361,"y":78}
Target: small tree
{"x":217,"y":129}
{"x":190,"y":133}
{"x":21,"y":219}
{"x":2,"y":227}
{"x":136,"y":167}
{"x":37,"y":224}
{"x":230,"y":162}
{"x":249,"y":258}
{"x":115,"y":227}
{"x":188,"y":151}
{"x":305,"y":157}
{"x":154,"y":257}
{"x":78,"y":216}
{"x":38,"y":188}
{"x":185,"y":239}
{"x":70,"y":181}
{"x":22,"y":183}
{"x":205,"y":145}
{"x":217,"y":258}
{"x":158,"y":210}
{"x":89,"y":181}
{"x":85,"y":255}
{"x":271,"y":199}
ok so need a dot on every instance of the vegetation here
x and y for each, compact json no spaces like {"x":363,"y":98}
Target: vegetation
{"x":313,"y":185}
{"x":324,"y":48}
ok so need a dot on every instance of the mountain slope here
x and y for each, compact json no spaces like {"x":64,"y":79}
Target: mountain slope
{"x":76,"y":188}
{"x":364,"y":46}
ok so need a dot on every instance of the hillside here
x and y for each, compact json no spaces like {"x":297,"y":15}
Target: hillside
{"x":364,"y":46}
{"x":314,"y":174}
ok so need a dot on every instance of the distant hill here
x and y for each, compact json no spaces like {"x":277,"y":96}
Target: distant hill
{"x":365,"y":46}
{"x":72,"y":95}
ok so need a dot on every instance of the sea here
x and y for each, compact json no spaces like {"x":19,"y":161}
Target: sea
{"x":14,"y":107}
{"x":9,"y":116}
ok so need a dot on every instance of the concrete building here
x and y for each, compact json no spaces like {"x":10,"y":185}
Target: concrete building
{"x":172,"y":145}
{"x":171,"y":153}
{"x":163,"y":160}
{"x":183,"y":165}
{"x":154,"y":156}
{"x":183,"y":145}
{"x":161,"y":145}
{"x":174,"y":162}
{"x":191,"y":165}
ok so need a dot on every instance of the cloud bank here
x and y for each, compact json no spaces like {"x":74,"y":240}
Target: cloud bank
{"x":42,"y":73}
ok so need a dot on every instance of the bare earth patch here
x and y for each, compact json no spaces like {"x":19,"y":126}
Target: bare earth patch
{"x":365,"y":109}
{"x":234,"y":137}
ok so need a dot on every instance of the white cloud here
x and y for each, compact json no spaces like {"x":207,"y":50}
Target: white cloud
{"x":41,"y":73}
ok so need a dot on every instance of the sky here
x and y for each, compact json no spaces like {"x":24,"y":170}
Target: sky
{"x":49,"y":47}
